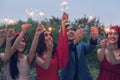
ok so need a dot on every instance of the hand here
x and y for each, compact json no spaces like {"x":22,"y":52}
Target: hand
{"x":64,"y":18}
{"x":94,"y":32}
{"x":11,"y":34}
{"x":3,"y":33}
{"x":40,"y":28}
{"x":25,"y":27}
{"x":78,"y":34}
{"x":103,"y":43}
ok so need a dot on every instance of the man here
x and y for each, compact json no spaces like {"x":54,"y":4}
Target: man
{"x":77,"y":68}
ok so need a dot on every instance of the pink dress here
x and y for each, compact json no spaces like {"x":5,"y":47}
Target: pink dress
{"x":109,"y":71}
{"x":24,"y":69}
{"x":58,"y":61}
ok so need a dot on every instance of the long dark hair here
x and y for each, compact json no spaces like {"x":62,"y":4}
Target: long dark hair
{"x":14,"y":72}
{"x":42,"y":46}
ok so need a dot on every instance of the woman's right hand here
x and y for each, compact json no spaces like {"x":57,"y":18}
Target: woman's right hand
{"x":103,"y":43}
{"x":25,"y":27}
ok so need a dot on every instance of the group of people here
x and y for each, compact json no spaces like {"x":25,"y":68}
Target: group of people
{"x":69,"y":56}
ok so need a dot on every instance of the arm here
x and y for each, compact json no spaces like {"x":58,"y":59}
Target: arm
{"x":3,"y":34}
{"x":1,"y":56}
{"x":100,"y":54}
{"x":17,"y":41}
{"x":1,"y":41}
{"x":93,"y":41}
{"x":64,"y":20}
{"x":15,"y":46}
{"x":62,"y":49}
{"x":10,"y":36}
{"x":45,"y":63}
{"x":101,"y":51}
{"x":32,"y":50}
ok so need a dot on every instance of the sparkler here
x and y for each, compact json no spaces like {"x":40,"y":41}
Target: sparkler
{"x":30,"y":13}
{"x":41,"y":14}
{"x":6,"y":21}
{"x":65,"y":6}
{"x":11,"y":21}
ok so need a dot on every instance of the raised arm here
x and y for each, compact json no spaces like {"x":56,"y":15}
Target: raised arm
{"x":32,"y":50}
{"x":10,"y":36}
{"x":3,"y":34}
{"x":63,"y":22}
{"x":15,"y":46}
{"x":62,"y":48}
{"x":45,"y":63}
{"x":93,"y":41}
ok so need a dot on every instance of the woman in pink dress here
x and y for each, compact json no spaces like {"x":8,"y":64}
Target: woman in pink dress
{"x":50,"y":59}
{"x":17,"y":65}
{"x":109,"y":55}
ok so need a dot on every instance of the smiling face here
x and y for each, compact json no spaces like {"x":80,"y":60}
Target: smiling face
{"x":70,"y":32}
{"x":48,"y":37}
{"x":22,"y":45}
{"x":113,"y":36}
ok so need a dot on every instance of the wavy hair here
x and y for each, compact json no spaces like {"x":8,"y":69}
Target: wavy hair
{"x":42,"y":45}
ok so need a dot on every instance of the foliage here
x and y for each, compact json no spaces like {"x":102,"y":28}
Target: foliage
{"x":55,"y":23}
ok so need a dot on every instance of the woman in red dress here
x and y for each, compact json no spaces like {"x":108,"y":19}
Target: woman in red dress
{"x":50,"y":59}
{"x":109,"y":55}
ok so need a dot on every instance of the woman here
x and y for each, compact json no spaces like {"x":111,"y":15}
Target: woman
{"x":17,"y":65}
{"x":109,"y":55}
{"x":50,"y":59}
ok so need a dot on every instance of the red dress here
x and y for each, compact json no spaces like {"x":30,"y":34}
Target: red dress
{"x":59,"y":60}
{"x":109,"y":71}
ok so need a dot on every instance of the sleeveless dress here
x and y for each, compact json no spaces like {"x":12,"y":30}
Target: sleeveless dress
{"x":24,"y":69}
{"x":59,"y":60}
{"x":109,"y":71}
